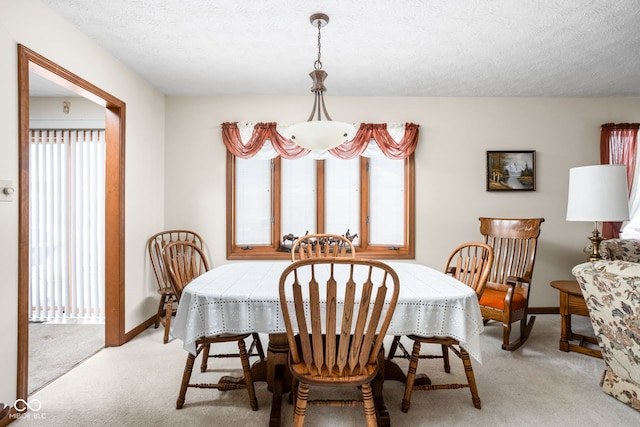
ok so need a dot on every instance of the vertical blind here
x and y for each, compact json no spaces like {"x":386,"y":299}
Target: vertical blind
{"x":66,"y":230}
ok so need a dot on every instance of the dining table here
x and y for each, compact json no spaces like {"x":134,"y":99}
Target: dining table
{"x":242,"y":297}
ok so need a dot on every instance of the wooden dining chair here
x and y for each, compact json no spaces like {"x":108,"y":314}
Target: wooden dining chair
{"x":471,"y":264}
{"x":359,"y":297}
{"x":506,"y":295}
{"x":168,"y":297}
{"x":322,"y":245}
{"x":155,"y":246}
{"x":184,"y":262}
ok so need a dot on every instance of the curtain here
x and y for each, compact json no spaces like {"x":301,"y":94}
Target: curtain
{"x":631,"y":229}
{"x":66,"y":230}
{"x":618,"y":145}
{"x":395,"y":141}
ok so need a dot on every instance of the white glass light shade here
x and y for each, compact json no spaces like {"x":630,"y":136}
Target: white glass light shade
{"x":598,"y":193}
{"x":320,"y":135}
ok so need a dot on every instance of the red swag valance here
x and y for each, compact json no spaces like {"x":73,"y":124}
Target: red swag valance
{"x":287,"y":149}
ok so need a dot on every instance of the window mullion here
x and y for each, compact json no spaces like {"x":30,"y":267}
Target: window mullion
{"x":364,"y":202}
{"x":276,"y":187}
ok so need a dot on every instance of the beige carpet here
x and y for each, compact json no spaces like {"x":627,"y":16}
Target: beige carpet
{"x":537,"y":385}
{"x":56,"y":348}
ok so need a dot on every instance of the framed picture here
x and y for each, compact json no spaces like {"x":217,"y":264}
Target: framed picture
{"x":511,"y":170}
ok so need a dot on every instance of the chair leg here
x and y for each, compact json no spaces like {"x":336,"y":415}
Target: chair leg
{"x":294,"y":391}
{"x":445,"y":358}
{"x":167,"y":319}
{"x":506,"y":332}
{"x":186,"y":377}
{"x":411,"y":377}
{"x":301,"y":404}
{"x":369,"y":407}
{"x":248,"y":378}
{"x":163,"y":300}
{"x":526,"y":325}
{"x":205,"y":358}
{"x":258,"y":345}
{"x":471,"y":379}
{"x":394,"y":347}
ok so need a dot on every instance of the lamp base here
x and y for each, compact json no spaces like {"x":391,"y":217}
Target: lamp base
{"x":596,"y":239}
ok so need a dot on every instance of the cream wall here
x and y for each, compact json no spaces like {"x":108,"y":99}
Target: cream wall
{"x":47,"y":113}
{"x":32,"y":24}
{"x":455,"y":134}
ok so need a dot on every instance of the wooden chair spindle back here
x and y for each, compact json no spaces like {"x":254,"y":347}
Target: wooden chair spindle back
{"x":322,"y":246}
{"x":155,"y":247}
{"x":184,"y":262}
{"x":329,"y":343}
{"x":514,"y":243}
{"x":471,"y":264}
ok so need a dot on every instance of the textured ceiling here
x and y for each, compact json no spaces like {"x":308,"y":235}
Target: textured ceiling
{"x":495,"y":48}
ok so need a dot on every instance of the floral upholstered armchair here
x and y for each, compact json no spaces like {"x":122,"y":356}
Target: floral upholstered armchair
{"x":621,"y":249}
{"x":612,"y":292}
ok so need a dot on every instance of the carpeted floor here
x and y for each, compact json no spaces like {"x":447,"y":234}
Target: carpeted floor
{"x":537,"y":385}
{"x":56,"y":348}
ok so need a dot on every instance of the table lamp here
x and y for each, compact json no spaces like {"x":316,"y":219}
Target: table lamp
{"x":598,"y":193}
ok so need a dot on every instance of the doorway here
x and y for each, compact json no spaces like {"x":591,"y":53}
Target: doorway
{"x":66,"y":187}
{"x":30,"y":61}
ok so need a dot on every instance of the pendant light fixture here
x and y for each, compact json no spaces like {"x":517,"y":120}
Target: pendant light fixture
{"x":316,"y":133}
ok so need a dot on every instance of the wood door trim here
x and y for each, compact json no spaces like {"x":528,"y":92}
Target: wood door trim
{"x":29,"y":60}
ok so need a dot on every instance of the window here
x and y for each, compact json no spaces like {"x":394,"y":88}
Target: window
{"x":631,"y":228}
{"x":362,"y":189}
{"x":618,"y":145}
{"x":271,"y":198}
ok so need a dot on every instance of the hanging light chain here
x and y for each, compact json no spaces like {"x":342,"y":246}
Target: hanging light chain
{"x":318,"y":64}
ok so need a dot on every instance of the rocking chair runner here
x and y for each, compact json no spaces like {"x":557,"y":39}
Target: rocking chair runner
{"x":506,"y":295}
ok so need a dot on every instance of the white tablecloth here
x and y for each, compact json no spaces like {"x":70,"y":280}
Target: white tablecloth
{"x":242,"y":297}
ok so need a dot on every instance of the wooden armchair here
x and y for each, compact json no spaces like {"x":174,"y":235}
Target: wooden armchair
{"x":471,"y":264}
{"x":349,"y":352}
{"x":322,"y":246}
{"x":184,"y":262}
{"x":506,"y":295}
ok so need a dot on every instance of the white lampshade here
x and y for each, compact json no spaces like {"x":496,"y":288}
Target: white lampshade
{"x":320,"y":135}
{"x":598,"y":193}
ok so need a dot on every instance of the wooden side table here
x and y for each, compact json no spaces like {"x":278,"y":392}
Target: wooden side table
{"x":572,"y":302}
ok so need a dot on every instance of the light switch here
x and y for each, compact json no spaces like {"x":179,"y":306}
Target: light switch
{"x":6,"y":191}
